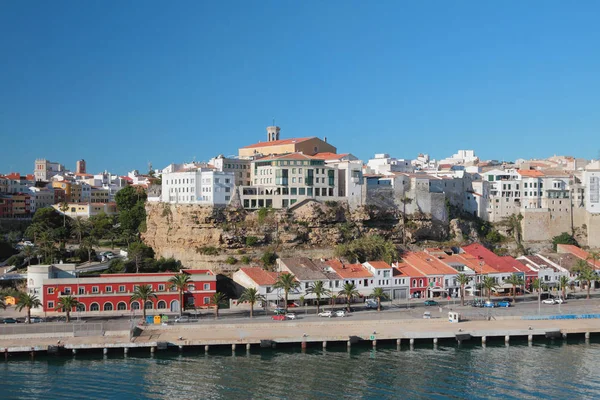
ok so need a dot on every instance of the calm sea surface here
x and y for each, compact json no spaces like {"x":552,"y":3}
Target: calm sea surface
{"x":550,"y":371}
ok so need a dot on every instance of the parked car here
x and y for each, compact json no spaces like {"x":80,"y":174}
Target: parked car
{"x":340,"y":313}
{"x":558,"y":300}
{"x":503,"y":303}
{"x":290,"y":315}
{"x":327,"y":314}
{"x":279,"y":311}
{"x":431,"y":303}
{"x":182,"y":319}
{"x":278,"y":317}
{"x":489,"y":304}
{"x":371,"y":304}
{"x":35,"y":320}
{"x":426,"y":315}
{"x":508,"y":299}
{"x":549,"y":301}
{"x":9,"y":321}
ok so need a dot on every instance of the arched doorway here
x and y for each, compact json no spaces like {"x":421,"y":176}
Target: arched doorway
{"x":175,"y":306}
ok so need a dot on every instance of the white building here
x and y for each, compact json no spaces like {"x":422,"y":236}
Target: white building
{"x":197,"y":186}
{"x":591,"y":180}
{"x":37,"y":274}
{"x":383,"y":163}
{"x":238,"y":166}
{"x":40,"y":198}
{"x":44,"y":170}
{"x":461,"y":157}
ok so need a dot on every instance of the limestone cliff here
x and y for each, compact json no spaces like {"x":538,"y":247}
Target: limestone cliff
{"x":201,"y":235}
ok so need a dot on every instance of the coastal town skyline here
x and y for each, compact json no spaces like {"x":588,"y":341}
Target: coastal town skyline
{"x":120,"y":86}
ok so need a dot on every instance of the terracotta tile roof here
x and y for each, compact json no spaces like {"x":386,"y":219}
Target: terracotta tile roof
{"x":303,"y":268}
{"x":289,"y":156}
{"x":576,"y":251}
{"x":349,"y":271}
{"x":475,"y":264}
{"x":260,"y":276}
{"x":329,"y":156}
{"x":278,"y":142}
{"x":379,"y":264}
{"x":428,"y":264}
{"x":505,"y":264}
{"x":530,"y":173}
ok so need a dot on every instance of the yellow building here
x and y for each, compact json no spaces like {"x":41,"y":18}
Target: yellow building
{"x":99,"y":195}
{"x":273,"y":145}
{"x":66,"y":186}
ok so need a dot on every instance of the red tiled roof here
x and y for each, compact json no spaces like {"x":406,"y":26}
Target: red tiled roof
{"x":501,"y":264}
{"x":530,"y":173}
{"x":428,"y":264}
{"x":572,"y":249}
{"x":260,"y":276}
{"x":277,"y":142}
{"x":379,"y":264}
{"x":288,"y":156}
{"x":198,"y":271}
{"x":329,"y":156}
{"x":349,"y":271}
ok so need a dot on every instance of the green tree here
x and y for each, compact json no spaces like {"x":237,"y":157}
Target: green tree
{"x":587,"y":275}
{"x":268,"y":259}
{"x":286,"y":282}
{"x":252,"y":296}
{"x":46,"y":243}
{"x":130,"y":203}
{"x":594,"y":256}
{"x":2,"y":302}
{"x":101,"y":225}
{"x":349,"y":292}
{"x":67,"y":304}
{"x":462,"y":279}
{"x":563,"y":238}
{"x":79,"y":229}
{"x":379,"y":294}
{"x":29,"y":252}
{"x":489,"y":284}
{"x":28,"y":301}
{"x":368,"y":248}
{"x":64,"y":207}
{"x":515,"y":280}
{"x":318,"y":289}
{"x":217,"y":300}
{"x":537,"y":286}
{"x":564,"y":282}
{"x":89,"y":242}
{"x":143,"y":293}
{"x":137,"y":252}
{"x":180,"y":282}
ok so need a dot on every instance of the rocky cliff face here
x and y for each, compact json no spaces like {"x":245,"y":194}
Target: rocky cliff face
{"x":205,"y":235}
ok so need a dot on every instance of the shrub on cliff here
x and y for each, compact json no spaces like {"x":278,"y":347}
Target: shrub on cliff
{"x":251,"y":241}
{"x":207,"y":250}
{"x":268,"y":259}
{"x":368,"y":248}
{"x":231,"y":260}
{"x":563,"y":238}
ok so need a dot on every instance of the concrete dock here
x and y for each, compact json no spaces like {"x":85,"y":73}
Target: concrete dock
{"x":345,"y":332}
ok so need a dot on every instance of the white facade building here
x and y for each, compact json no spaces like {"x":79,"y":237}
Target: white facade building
{"x":591,"y":180}
{"x":40,"y":198}
{"x":383,"y":163}
{"x":197,"y":186}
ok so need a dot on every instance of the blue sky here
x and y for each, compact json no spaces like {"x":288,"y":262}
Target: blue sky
{"x":122,"y":83}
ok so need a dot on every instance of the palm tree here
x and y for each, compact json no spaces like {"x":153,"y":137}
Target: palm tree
{"x":537,"y":285}
{"x":217,"y":300}
{"x":89,"y":242}
{"x":143,"y":293}
{"x":63,"y":207}
{"x":2,"y":303}
{"x":587,"y":275}
{"x":46,"y":244}
{"x":594,"y":256}
{"x":462,"y":280}
{"x":287,"y":282}
{"x":180,"y":282}
{"x":318,"y":289}
{"x":514,"y":280}
{"x":333,"y":299}
{"x":489,"y":283}
{"x":29,"y":301}
{"x":349,"y":292}
{"x":564,"y":282}
{"x":251,"y":295}
{"x":79,"y":227}
{"x":67,"y":303}
{"x":29,"y":252}
{"x":379,"y":294}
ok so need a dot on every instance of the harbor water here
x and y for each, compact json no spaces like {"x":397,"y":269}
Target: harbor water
{"x":550,"y":370}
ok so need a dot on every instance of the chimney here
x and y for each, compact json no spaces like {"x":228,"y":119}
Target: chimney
{"x":325,"y":139}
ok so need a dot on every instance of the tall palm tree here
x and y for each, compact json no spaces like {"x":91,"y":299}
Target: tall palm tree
{"x":515,"y":280}
{"x":594,"y":256}
{"x":489,"y":283}
{"x":287,"y":282}
{"x":2,"y":302}
{"x":180,"y":282}
{"x":217,"y":300}
{"x":28,"y":301}
{"x":79,"y":228}
{"x":251,"y":295}
{"x":349,"y":291}
{"x":462,"y":279}
{"x":379,"y":294}
{"x":63,"y":207}
{"x":587,"y":275}
{"x":333,"y":299}
{"x":143,"y":294}
{"x":89,"y":242}
{"x":537,"y":286}
{"x":46,"y":243}
{"x":67,"y":303}
{"x":29,"y":252}
{"x":318,"y":289}
{"x":564,"y":282}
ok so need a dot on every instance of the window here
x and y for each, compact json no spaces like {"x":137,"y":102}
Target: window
{"x":108,"y":306}
{"x":161,"y":304}
{"x":207,"y":286}
{"x":95,"y":289}
{"x":51,"y":305}
{"x":121,"y":306}
{"x":121,"y":288}
{"x":191,"y":287}
{"x":94,"y":307}
{"x":67,"y":290}
{"x":108,"y":289}
{"x":135,"y":305}
{"x":81,"y":290}
{"x":206,"y":300}
{"x":161,"y":287}
{"x":50,"y":290}
{"x":149,"y":305}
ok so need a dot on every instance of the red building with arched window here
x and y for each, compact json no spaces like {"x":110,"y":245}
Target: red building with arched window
{"x":110,"y":294}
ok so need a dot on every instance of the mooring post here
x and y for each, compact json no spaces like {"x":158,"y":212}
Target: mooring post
{"x":303,"y":345}
{"x":374,"y":343}
{"x":125,"y":350}
{"x":324,"y":344}
{"x":587,"y":335}
{"x":152,"y":349}
{"x":5,"y":354}
{"x":530,"y":338}
{"x":206,"y":348}
{"x":32,"y":353}
{"x":507,"y":339}
{"x":483,"y":340}
{"x":412,"y":342}
{"x":105,"y":351}
{"x":435,"y":340}
{"x":348,"y":344}
{"x":564,"y":336}
{"x":233,"y":347}
{"x":248,"y":346}
{"x":74,"y":351}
